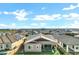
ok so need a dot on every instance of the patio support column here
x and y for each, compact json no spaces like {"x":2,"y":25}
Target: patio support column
{"x":42,"y":46}
{"x":66,"y":48}
{"x":62,"y":44}
{"x":56,"y":46}
{"x":51,"y":46}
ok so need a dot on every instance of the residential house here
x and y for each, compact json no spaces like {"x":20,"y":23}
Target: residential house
{"x":5,"y":41}
{"x":41,"y":42}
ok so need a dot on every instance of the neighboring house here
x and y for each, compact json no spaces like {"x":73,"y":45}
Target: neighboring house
{"x":77,"y":36}
{"x":5,"y":41}
{"x":69,"y":43}
{"x":41,"y":42}
{"x":1,"y":44}
{"x":19,"y":36}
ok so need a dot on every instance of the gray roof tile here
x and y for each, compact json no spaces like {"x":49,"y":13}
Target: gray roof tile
{"x":67,"y":39}
{"x":63,"y":38}
{"x":1,"y":41}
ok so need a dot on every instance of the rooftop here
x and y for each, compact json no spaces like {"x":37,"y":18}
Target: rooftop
{"x":62,"y":38}
{"x":7,"y":38}
{"x":67,"y":39}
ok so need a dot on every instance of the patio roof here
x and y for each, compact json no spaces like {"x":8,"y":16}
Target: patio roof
{"x":62,"y":38}
{"x":36,"y":37}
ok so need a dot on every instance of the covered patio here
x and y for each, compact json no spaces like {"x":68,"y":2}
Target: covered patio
{"x":48,"y":48}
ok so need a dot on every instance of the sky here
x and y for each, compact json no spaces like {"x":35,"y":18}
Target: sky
{"x":39,"y":15}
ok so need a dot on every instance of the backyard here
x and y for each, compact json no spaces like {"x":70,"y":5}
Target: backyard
{"x":55,"y":52}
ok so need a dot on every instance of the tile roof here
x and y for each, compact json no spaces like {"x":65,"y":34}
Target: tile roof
{"x":11,"y":38}
{"x":32,"y":36}
{"x":1,"y":41}
{"x":7,"y":38}
{"x":67,"y":39}
{"x":63,"y":38}
{"x":35,"y":37}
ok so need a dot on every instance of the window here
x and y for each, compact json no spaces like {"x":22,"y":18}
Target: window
{"x":37,"y":46}
{"x":29,"y":47}
{"x":77,"y":48}
{"x":47,"y":46}
{"x":64,"y":45}
{"x":6,"y":45}
{"x":73,"y":46}
{"x":1,"y":46}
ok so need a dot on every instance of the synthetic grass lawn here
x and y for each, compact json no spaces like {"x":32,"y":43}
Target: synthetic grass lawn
{"x":36,"y":53}
{"x":56,"y":52}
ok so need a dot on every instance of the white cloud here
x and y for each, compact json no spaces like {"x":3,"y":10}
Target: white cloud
{"x":42,"y":24}
{"x":0,"y":12}
{"x":71,"y":7}
{"x":34,"y":24}
{"x":5,"y":12}
{"x":19,"y":14}
{"x":6,"y":26}
{"x":74,"y":24}
{"x":47,"y":17}
{"x":43,"y":8}
{"x":71,"y":16}
{"x":2,"y":25}
{"x":38,"y":24}
{"x":13,"y":24}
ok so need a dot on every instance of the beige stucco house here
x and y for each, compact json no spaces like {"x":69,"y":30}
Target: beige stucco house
{"x":41,"y":42}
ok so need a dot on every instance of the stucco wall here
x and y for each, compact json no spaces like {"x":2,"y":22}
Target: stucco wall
{"x":70,"y":46}
{"x":76,"y":50}
{"x":8,"y":45}
{"x":33,"y":47}
{"x":3,"y":46}
{"x":46,"y":42}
